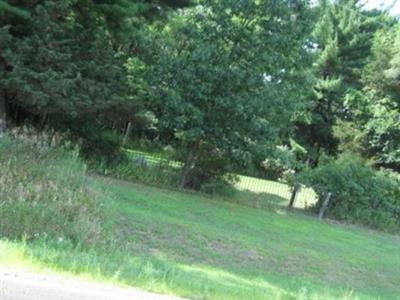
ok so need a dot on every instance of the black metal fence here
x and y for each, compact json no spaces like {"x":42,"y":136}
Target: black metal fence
{"x":167,"y":170}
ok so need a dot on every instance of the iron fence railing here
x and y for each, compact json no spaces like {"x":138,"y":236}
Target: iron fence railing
{"x":161,"y":162}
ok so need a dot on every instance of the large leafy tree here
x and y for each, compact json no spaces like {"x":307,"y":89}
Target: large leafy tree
{"x":220,"y":78}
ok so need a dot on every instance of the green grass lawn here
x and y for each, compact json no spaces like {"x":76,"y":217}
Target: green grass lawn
{"x":210,"y":248}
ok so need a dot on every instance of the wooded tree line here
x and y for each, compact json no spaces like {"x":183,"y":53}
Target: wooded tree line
{"x":230,"y":85}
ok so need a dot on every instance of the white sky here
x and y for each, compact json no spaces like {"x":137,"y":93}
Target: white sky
{"x":392,"y":5}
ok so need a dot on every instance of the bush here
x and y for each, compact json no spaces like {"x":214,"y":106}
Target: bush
{"x":221,"y":186}
{"x":44,"y":192}
{"x":103,"y":145}
{"x":281,"y":165}
{"x":160,"y":169}
{"x":209,"y":172}
{"x":138,"y":169}
{"x":360,"y":194}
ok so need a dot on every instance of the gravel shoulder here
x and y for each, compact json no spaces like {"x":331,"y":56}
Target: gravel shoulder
{"x":21,"y":285}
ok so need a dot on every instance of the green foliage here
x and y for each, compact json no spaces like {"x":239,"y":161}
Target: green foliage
{"x":282,"y":163}
{"x":350,"y":136}
{"x":343,"y":40}
{"x":221,"y":79}
{"x":101,"y":145}
{"x":161,"y":174}
{"x":44,"y":192}
{"x":383,"y":134}
{"x":12,"y":14}
{"x":64,"y":71}
{"x":381,"y":119}
{"x":360,"y":194}
{"x":64,"y":65}
{"x":220,"y":82}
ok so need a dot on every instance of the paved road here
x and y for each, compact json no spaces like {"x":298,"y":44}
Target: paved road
{"x":17,"y":285}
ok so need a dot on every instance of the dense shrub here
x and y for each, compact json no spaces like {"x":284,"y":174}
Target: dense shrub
{"x":156,"y":171}
{"x":360,"y":194}
{"x":44,"y":192}
{"x":100,"y":145}
{"x":209,"y":172}
{"x":163,"y":170}
{"x":281,"y":164}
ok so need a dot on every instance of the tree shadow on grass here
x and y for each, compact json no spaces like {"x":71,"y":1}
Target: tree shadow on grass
{"x":272,"y":200}
{"x":260,"y":200}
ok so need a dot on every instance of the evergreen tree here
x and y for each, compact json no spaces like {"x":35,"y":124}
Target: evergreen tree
{"x":343,"y":40}
{"x":62,"y":64}
{"x":381,"y":118}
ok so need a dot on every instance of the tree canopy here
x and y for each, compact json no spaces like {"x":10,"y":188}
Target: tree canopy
{"x":227,"y":84}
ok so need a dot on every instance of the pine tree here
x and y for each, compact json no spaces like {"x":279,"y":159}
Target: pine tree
{"x":343,"y":40}
{"x":381,"y":118}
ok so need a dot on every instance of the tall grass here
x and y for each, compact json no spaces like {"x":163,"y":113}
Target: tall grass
{"x":44,"y":192}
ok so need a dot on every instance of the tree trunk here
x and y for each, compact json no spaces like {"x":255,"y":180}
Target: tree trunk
{"x":127,"y":134}
{"x":43,"y":120}
{"x":189,"y":164}
{"x":3,"y":116}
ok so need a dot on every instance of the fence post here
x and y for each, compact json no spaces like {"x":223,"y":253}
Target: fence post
{"x":296,"y":189}
{"x":324,"y":206}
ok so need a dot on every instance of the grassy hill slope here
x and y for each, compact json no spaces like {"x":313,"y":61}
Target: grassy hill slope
{"x":54,"y":216}
{"x":206,"y":248}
